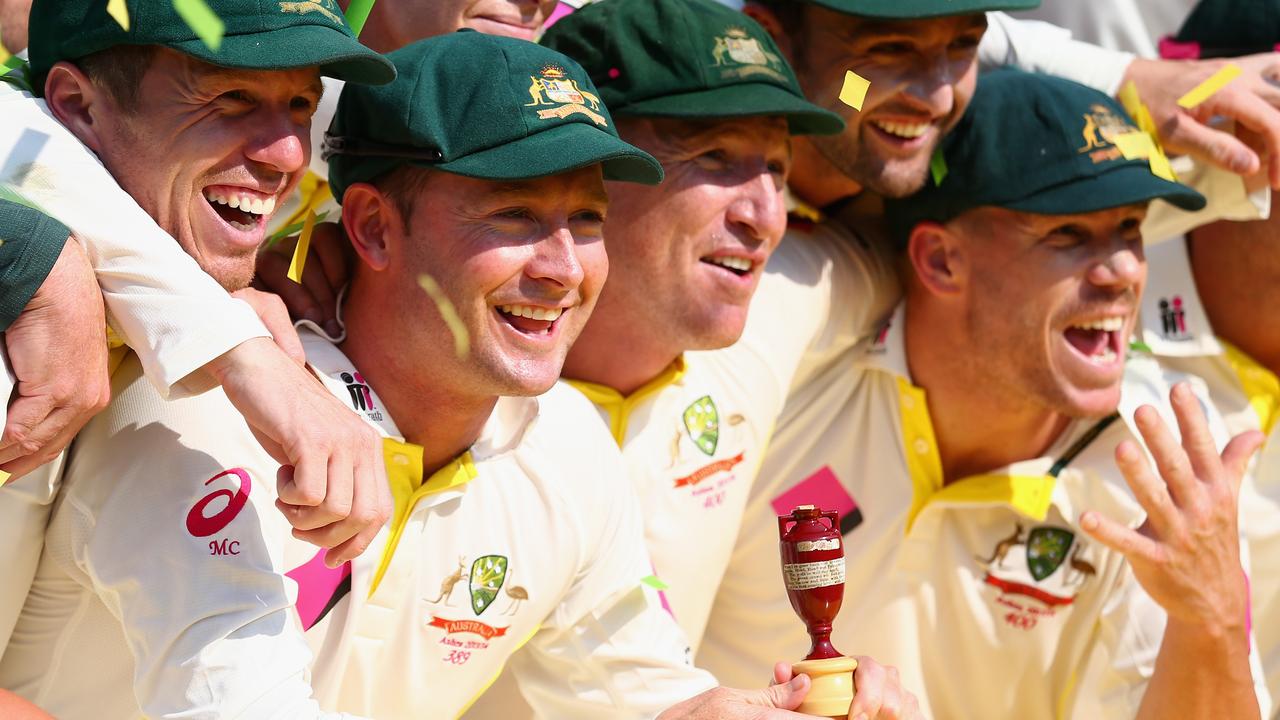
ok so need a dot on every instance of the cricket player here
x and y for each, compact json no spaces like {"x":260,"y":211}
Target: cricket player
{"x":478,"y":476}
{"x":333,"y":486}
{"x":1205,"y":312}
{"x":990,"y":552}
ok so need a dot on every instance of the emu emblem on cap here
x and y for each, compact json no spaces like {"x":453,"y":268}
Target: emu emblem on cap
{"x":552,"y":85}
{"x":1101,"y":127}
{"x":328,"y":8}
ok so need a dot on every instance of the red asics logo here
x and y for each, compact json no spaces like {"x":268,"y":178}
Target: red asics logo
{"x":200,"y":525}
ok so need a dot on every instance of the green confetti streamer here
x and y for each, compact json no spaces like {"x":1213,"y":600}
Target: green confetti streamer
{"x":203,"y":20}
{"x":1139,"y":346}
{"x":291,"y":230}
{"x":357,"y":13}
{"x":655,"y":582}
{"x":461,"y":338}
{"x":938,"y":167}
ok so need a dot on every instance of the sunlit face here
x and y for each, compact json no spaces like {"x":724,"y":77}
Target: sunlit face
{"x":210,"y":152}
{"x":687,"y":254}
{"x":396,"y":23}
{"x":922,"y":74}
{"x":522,"y":262}
{"x":1050,"y":303}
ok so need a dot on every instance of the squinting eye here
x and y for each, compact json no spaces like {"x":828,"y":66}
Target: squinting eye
{"x":239,"y":96}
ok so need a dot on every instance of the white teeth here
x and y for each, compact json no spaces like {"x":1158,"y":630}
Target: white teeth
{"x":733,"y":263}
{"x":244,"y":203}
{"x":533,"y":313}
{"x":905,"y":130}
{"x":242,"y":227}
{"x":1106,"y":356}
{"x":1111,"y":324}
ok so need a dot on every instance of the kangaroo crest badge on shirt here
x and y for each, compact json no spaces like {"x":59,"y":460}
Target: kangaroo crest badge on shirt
{"x":702,"y":421}
{"x":1043,"y":578}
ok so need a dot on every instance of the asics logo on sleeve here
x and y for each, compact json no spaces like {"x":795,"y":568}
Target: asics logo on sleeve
{"x":202,"y":522}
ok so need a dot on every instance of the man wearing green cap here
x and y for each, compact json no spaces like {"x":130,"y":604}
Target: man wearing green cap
{"x":187,"y":130}
{"x":510,"y":533}
{"x":992,"y":560}
{"x":188,"y":332}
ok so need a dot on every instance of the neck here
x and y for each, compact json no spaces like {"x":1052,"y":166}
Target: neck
{"x":378,"y":33}
{"x":978,"y":428}
{"x":816,"y":181}
{"x":430,"y":413}
{"x":614,"y":351}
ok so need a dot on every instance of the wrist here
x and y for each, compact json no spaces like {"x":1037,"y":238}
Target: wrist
{"x":240,"y":359}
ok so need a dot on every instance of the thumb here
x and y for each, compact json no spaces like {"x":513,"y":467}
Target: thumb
{"x":781,"y":673}
{"x":786,"y":696}
{"x":1236,"y":455}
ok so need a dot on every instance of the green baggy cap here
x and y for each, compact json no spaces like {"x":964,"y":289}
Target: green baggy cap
{"x":1036,"y":144}
{"x":482,"y":106}
{"x":1227,"y":28}
{"x":916,"y":9}
{"x":259,"y":35}
{"x":685,"y":59}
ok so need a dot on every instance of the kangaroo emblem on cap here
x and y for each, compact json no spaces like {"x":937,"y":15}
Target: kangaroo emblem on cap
{"x":552,"y":85}
{"x":325,"y":7}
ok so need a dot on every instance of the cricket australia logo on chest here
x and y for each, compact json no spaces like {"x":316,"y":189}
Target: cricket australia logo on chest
{"x":1036,"y":573}
{"x":700,"y":423}
{"x":487,"y":583}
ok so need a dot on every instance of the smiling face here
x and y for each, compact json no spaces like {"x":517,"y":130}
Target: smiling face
{"x":209,"y":152}
{"x":688,"y":254}
{"x":1049,"y":302}
{"x":396,"y":23}
{"x":922,"y":74}
{"x":522,"y":262}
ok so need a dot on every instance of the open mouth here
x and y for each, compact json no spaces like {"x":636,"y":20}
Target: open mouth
{"x":906,"y":131}
{"x":739,"y":266}
{"x":241,"y":209}
{"x":530,"y":319}
{"x":1098,"y":341}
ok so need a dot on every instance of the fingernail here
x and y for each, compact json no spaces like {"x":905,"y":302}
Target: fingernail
{"x":861,"y":716}
{"x":797,"y":683}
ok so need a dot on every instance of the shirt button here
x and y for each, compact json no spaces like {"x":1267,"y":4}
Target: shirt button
{"x":401,"y":459}
{"x":921,"y":446}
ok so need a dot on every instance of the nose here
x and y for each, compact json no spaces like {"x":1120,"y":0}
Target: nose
{"x":1122,"y":268}
{"x":555,"y":260}
{"x":932,"y":84}
{"x":758,"y":209}
{"x":277,"y":141}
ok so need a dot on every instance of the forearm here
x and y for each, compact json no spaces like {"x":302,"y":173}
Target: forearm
{"x":1040,"y":47}
{"x":15,"y":708}
{"x":1201,"y":673}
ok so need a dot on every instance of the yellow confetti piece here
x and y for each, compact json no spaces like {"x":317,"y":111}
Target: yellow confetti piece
{"x":1161,"y":167}
{"x":4,"y":477}
{"x":461,"y":338}
{"x":1134,"y":145}
{"x":1137,"y":110}
{"x":4,"y":56}
{"x":938,"y":167}
{"x":854,"y":92}
{"x":357,"y":12}
{"x":1206,"y":89}
{"x":655,"y":582}
{"x":118,"y":10}
{"x":300,"y":252}
{"x":201,"y":19}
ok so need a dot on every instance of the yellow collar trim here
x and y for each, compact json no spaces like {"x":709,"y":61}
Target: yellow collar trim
{"x":618,"y":406}
{"x":1260,"y":385}
{"x":1030,"y":495}
{"x":404,"y":475}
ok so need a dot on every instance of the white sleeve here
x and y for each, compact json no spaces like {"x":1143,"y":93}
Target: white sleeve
{"x":173,"y":314}
{"x":1037,"y":46}
{"x":609,"y":650}
{"x":184,"y":548}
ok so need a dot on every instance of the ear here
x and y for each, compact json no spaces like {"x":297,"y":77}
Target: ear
{"x":772,"y":25}
{"x":77,"y":103}
{"x":937,"y":256}
{"x":373,"y":225}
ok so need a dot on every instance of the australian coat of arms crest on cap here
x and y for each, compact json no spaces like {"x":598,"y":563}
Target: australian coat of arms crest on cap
{"x":553,"y":86}
{"x":1101,"y":128}
{"x":741,"y":55}
{"x":328,"y":8}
